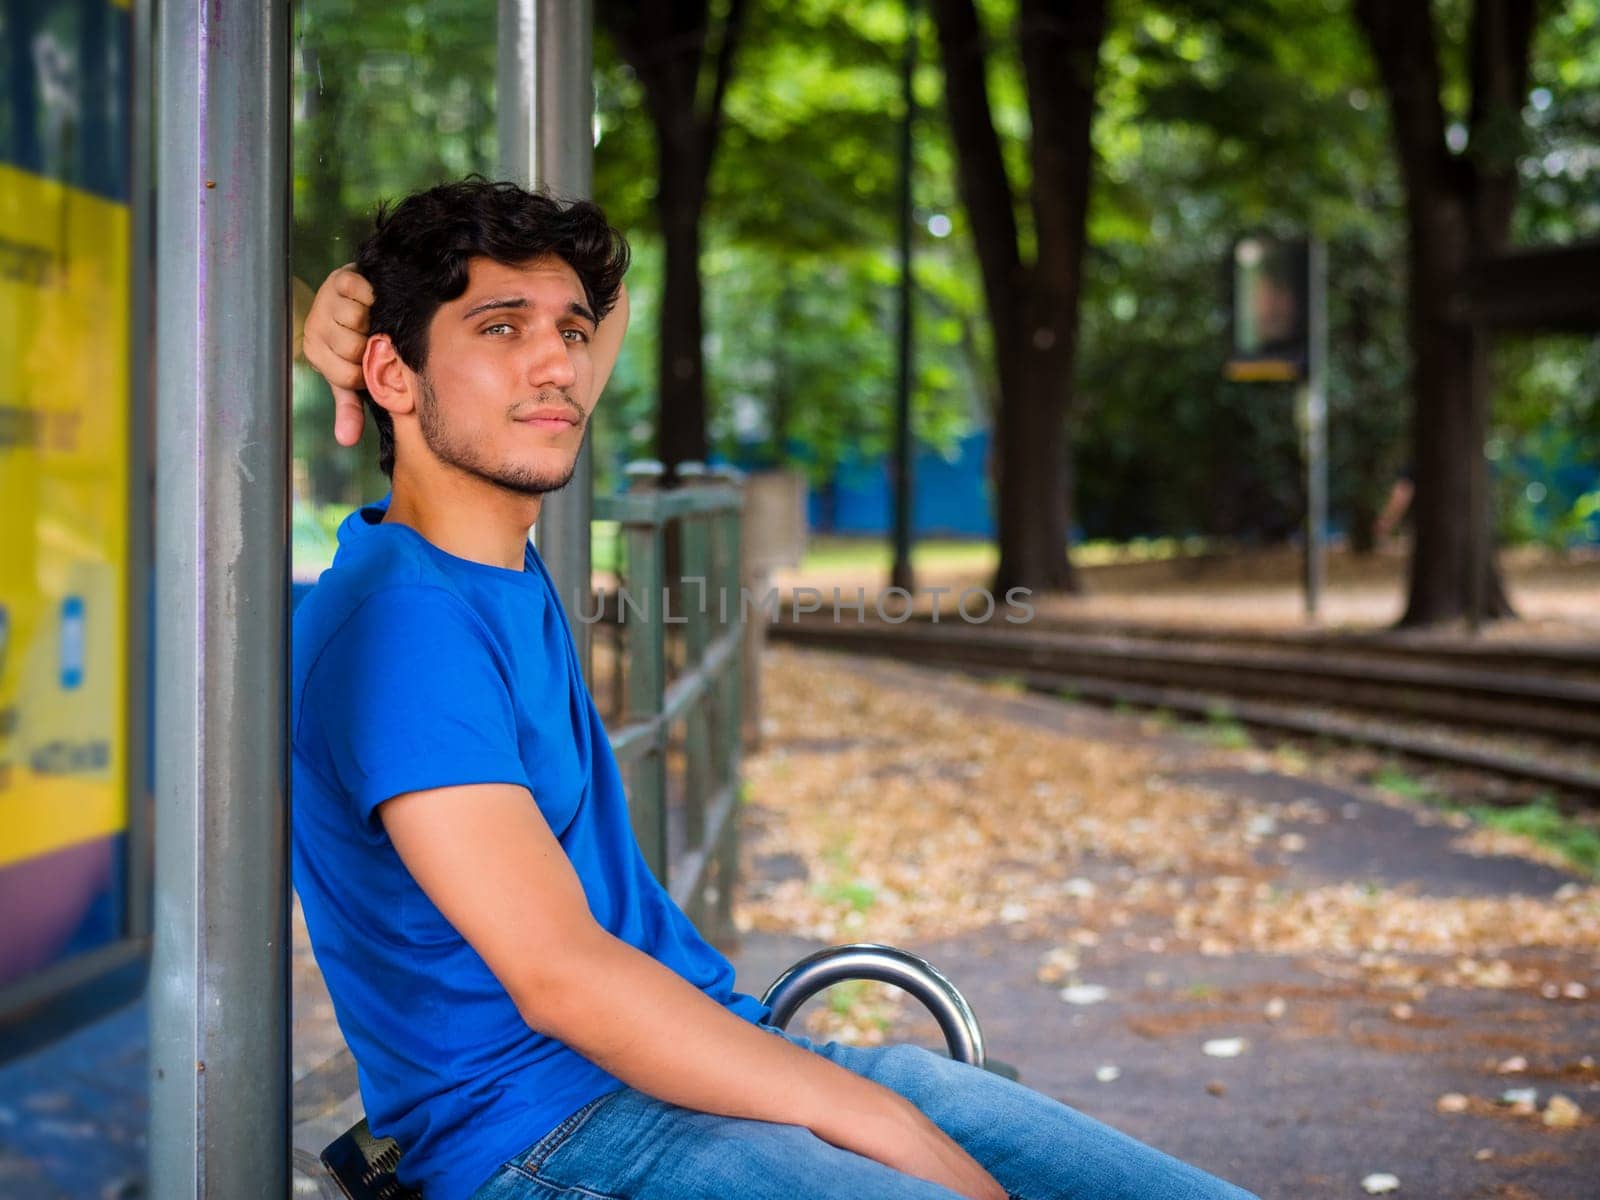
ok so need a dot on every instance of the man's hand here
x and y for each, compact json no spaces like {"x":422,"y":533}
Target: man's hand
{"x":903,"y":1138}
{"x":335,"y":337}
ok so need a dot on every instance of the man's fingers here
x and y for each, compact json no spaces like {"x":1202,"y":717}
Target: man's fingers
{"x":349,"y":344}
{"x":349,"y":418}
{"x":349,"y":313}
{"x":353,"y":285}
{"x":339,"y":372}
{"x":340,"y":365}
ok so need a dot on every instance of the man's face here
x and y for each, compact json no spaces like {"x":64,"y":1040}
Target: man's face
{"x":507,"y":388}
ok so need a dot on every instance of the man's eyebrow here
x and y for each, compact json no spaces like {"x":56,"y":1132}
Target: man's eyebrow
{"x":487,"y":305}
{"x":574,"y":308}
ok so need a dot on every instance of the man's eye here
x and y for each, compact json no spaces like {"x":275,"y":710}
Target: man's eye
{"x":575,"y":335}
{"x":498,"y":327}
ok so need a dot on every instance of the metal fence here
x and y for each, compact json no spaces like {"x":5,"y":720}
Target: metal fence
{"x":678,"y":739}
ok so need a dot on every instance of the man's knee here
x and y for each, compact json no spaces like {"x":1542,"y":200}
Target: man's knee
{"x":917,"y":1073}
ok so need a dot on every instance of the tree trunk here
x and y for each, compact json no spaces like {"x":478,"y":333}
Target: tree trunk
{"x":1455,"y":207}
{"x":669,"y":46}
{"x":1032,"y":483}
{"x":1033,"y":309}
{"x":681,"y":407}
{"x":1447,"y":433}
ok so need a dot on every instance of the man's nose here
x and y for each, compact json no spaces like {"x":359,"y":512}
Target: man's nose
{"x":550,"y":364}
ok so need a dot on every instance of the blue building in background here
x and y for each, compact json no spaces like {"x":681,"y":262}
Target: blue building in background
{"x":951,"y":496}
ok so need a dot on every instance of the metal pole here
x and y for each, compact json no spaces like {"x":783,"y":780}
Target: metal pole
{"x":219,"y":979}
{"x":1314,"y":420}
{"x":546,"y":124}
{"x":1480,"y":523}
{"x":900,"y":575}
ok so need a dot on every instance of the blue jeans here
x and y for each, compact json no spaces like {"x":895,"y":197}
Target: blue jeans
{"x":629,"y":1146}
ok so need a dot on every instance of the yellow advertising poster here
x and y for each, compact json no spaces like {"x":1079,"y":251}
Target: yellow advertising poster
{"x":63,"y":496}
{"x":64,"y":462}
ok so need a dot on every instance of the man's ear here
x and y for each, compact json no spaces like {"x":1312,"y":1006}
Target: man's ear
{"x":390,"y":382}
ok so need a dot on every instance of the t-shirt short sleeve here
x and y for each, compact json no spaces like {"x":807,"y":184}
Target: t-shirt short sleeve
{"x":408,"y":694}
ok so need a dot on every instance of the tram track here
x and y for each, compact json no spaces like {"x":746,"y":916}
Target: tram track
{"x":1446,"y":703}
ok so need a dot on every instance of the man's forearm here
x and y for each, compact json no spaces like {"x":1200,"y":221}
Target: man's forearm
{"x":641,"y":1022}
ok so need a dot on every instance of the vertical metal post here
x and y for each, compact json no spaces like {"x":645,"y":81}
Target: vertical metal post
{"x":647,"y":676}
{"x":219,"y":980}
{"x":546,"y":124}
{"x":699,"y":602}
{"x":1314,"y":426}
{"x":900,"y":574}
{"x":141,"y":481}
{"x":730,"y":540}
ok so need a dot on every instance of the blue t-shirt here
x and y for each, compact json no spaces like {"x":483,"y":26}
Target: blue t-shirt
{"x":415,"y":669}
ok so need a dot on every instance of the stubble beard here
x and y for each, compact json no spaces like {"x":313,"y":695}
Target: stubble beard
{"x":465,"y":456}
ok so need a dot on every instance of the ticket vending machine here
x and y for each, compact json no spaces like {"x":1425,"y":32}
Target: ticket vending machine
{"x":74,"y":507}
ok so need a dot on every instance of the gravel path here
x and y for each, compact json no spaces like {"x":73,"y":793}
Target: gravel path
{"x":1343,"y":1052}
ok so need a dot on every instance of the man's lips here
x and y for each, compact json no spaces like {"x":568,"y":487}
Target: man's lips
{"x":553,"y":417}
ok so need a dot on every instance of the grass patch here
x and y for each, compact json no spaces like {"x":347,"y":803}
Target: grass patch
{"x":1161,"y":721}
{"x":1223,"y":730}
{"x":859,"y":895}
{"x":1541,"y":821}
{"x":1391,"y":777}
{"x":605,"y":546}
{"x":875,"y":554}
{"x":843,"y":997}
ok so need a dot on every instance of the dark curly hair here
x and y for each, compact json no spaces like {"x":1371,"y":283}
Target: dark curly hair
{"x":416,"y":260}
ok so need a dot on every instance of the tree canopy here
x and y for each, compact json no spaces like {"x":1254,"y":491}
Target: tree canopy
{"x":1211,"y":118}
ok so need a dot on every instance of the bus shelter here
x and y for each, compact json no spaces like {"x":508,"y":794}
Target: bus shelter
{"x":145,"y":307}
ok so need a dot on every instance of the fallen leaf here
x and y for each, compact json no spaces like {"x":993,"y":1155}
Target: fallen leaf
{"x":1084,"y":993}
{"x":1561,"y":1113}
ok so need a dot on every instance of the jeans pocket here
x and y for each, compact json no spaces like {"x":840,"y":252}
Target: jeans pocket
{"x":534,"y":1158}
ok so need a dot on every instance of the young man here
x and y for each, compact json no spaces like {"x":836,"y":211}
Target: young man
{"x":531,"y":1014}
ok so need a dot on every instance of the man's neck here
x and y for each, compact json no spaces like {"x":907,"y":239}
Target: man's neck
{"x":466,"y":517}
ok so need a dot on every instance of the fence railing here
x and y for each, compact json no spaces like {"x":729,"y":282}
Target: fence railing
{"x":677,"y":739}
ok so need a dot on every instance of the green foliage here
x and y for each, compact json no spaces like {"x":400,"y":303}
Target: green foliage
{"x":1546,"y":440}
{"x":1575,"y":840}
{"x":1225,"y":731}
{"x":1215,"y":117}
{"x":799,"y":265}
{"x":1392,"y":777}
{"x":855,"y":893}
